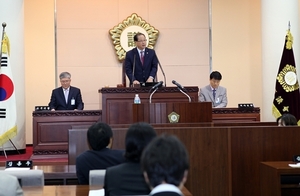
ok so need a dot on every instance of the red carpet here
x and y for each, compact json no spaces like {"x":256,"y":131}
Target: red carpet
{"x":36,"y":159}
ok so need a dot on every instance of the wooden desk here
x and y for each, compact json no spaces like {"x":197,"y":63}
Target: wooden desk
{"x":235,"y":115}
{"x":69,"y":190}
{"x":59,"y":174}
{"x":50,"y":129}
{"x":271,"y":174}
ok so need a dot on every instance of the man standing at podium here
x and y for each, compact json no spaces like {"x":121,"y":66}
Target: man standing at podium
{"x":66,"y":97}
{"x":141,"y":62}
{"x":214,"y":93}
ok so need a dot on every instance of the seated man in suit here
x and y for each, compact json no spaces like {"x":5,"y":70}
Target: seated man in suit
{"x":66,"y":97}
{"x":9,"y":185}
{"x":101,"y":156}
{"x":165,"y":163}
{"x":214,"y":93}
{"x":127,"y":178}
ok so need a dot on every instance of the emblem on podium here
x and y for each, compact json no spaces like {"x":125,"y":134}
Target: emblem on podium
{"x":173,"y":117}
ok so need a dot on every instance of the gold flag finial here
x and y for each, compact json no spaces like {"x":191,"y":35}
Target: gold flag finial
{"x":5,"y":45}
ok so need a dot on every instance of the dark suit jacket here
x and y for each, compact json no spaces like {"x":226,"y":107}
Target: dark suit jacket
{"x":92,"y":159}
{"x":58,"y":102}
{"x":141,"y":72}
{"x":125,"y":179}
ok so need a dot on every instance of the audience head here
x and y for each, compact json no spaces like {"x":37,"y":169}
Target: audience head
{"x":165,"y":160}
{"x":99,"y":136}
{"x":287,"y":120}
{"x":137,"y":138}
{"x":140,"y":41}
{"x":65,"y":79}
{"x":215,"y":78}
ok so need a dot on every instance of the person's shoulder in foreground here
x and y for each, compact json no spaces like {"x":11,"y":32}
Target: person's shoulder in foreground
{"x":127,"y":178}
{"x":9,"y":185}
{"x":165,"y":165}
{"x":100,"y":155}
{"x":214,"y":92}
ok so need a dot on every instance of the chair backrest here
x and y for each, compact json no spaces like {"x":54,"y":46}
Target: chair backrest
{"x":77,"y":144}
{"x":28,"y":177}
{"x":97,"y":177}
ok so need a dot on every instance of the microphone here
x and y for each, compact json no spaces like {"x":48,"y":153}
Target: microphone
{"x":178,"y":85}
{"x":133,"y":69}
{"x":162,"y":71}
{"x":181,"y":89}
{"x":157,"y":85}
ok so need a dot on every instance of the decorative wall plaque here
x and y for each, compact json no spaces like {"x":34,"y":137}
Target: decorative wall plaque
{"x":173,"y":117}
{"x":123,"y":33}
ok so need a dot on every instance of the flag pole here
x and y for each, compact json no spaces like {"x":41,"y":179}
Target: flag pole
{"x":3,"y":25}
{"x":289,"y":25}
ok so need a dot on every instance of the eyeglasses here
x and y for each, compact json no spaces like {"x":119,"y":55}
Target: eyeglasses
{"x":142,"y":40}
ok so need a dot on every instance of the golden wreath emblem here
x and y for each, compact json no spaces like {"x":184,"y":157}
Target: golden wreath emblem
{"x":123,"y":33}
{"x":173,"y":117}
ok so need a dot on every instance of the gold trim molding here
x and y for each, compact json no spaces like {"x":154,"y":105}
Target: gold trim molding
{"x":122,"y":34}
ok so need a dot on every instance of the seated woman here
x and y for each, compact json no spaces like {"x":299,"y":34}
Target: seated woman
{"x":287,"y":120}
{"x":127,"y":178}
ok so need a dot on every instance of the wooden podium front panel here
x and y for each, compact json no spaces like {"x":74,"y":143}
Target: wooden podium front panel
{"x":117,"y":102}
{"x":156,"y":113}
{"x":50,"y":128}
{"x":235,"y":114}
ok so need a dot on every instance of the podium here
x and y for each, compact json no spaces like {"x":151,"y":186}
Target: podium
{"x":180,"y":112}
{"x":117,"y":102}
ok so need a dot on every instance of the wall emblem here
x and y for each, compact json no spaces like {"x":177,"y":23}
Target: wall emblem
{"x":122,"y":34}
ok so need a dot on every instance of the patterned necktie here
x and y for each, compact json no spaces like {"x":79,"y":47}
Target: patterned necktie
{"x":214,"y":94}
{"x":142,"y":57}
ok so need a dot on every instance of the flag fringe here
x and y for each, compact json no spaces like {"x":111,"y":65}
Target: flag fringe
{"x":276,"y":113}
{"x":8,"y":135}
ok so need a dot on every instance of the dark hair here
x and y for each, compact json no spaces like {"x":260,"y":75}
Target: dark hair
{"x":99,"y":135}
{"x":165,"y":159}
{"x":215,"y":75}
{"x":137,"y":138}
{"x":288,"y":120}
{"x":136,"y":36}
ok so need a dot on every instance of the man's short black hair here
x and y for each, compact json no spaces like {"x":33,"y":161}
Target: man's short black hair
{"x":215,"y":75}
{"x":99,"y":135}
{"x":136,"y":36}
{"x":137,"y":138}
{"x":165,"y":159}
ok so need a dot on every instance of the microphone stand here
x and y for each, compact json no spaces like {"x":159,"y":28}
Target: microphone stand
{"x":185,"y":94}
{"x":152,"y":94}
{"x":133,"y":69}
{"x":162,"y":72}
{"x":3,"y":25}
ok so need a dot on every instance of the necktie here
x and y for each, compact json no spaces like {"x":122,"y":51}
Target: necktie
{"x":214,"y":94}
{"x":142,"y":57}
{"x":66,"y":95}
